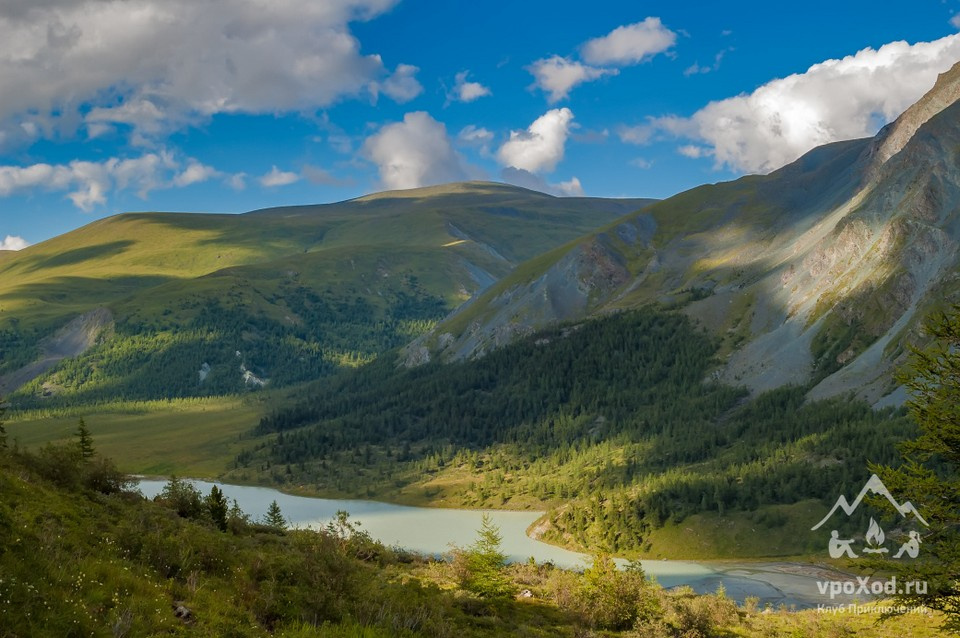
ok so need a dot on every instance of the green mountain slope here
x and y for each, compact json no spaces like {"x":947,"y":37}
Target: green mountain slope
{"x":814,"y":274}
{"x":611,"y":424}
{"x":288,"y":294}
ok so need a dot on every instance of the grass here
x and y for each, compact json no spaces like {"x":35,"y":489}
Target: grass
{"x":777,"y":531}
{"x":197,"y":438}
{"x":146,"y":249}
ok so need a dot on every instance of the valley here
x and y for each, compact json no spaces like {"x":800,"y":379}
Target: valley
{"x":655,"y":384}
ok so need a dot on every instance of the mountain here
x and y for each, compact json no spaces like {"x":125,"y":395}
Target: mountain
{"x":163,"y":304}
{"x":817,"y":274}
{"x":876,"y":487}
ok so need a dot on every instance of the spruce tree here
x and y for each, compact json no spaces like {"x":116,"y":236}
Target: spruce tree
{"x":274,"y":517}
{"x":930,"y":475}
{"x":485,"y":563}
{"x":84,"y":441}
{"x":216,"y":504}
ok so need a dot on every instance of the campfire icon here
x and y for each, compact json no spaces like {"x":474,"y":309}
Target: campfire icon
{"x":875,"y":538}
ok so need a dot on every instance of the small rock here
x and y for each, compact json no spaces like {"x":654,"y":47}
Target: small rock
{"x":182,"y":612}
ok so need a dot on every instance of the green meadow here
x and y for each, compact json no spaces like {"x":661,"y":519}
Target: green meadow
{"x":196,"y":438}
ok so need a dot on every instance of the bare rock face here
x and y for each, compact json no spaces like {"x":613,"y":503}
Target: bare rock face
{"x":570,"y":288}
{"x":836,"y":258}
{"x":895,"y":136}
{"x":72,"y":340}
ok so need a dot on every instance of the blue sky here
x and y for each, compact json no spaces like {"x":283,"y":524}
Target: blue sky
{"x":109,"y":106}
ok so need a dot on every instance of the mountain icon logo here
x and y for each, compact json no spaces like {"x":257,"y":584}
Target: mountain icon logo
{"x":873,"y":486}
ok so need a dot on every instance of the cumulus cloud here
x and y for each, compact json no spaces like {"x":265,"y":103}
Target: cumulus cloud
{"x":540,"y":147}
{"x":151,"y":64}
{"x":276,"y":177}
{"x":89,"y":183}
{"x":472,"y":134}
{"x":526,"y":179}
{"x":955,"y":20}
{"x":693,"y":151}
{"x":402,"y":86}
{"x":571,"y":187}
{"x":629,"y":44}
{"x":834,"y":100}
{"x":415,"y":152}
{"x":467,"y":91}
{"x":237,"y":181}
{"x":13,"y":242}
{"x":624,"y":46}
{"x":194,"y":173}
{"x":558,"y":75}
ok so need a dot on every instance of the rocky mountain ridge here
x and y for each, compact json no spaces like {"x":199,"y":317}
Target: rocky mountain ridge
{"x":817,"y":274}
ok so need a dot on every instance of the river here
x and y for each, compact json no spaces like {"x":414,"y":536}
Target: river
{"x":433,"y":531}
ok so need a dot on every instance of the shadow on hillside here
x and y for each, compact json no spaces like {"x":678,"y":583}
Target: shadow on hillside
{"x":97,"y":289}
{"x":77,"y":255}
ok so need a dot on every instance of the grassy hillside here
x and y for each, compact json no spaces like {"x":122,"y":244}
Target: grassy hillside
{"x":298,"y":292}
{"x":187,"y":437}
{"x":83,"y":557}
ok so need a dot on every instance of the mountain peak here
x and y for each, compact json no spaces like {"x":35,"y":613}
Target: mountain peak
{"x":894,"y":136}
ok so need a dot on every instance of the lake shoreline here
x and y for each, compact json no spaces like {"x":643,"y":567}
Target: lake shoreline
{"x":774,"y":582}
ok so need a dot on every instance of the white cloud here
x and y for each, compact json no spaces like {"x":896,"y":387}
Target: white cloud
{"x":641,"y":134}
{"x":153,"y":64}
{"x":641,"y":163}
{"x":415,"y":152}
{"x":571,"y":188}
{"x":557,"y":75}
{"x":13,"y":242}
{"x":526,"y":179}
{"x":693,"y":151}
{"x":629,"y":44}
{"x":194,"y":173}
{"x":276,"y":177}
{"x":955,"y":20}
{"x":466,"y":91}
{"x":476,"y":137}
{"x":834,"y":100}
{"x":471,"y":134}
{"x":89,"y":183}
{"x":237,"y":181}
{"x":402,"y":86}
{"x":539,"y":148}
{"x":696,"y":69}
{"x":624,"y":46}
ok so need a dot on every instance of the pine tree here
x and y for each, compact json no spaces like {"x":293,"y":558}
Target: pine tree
{"x":84,"y":441}
{"x":485,"y":561}
{"x":237,"y":519}
{"x":216,"y":504}
{"x":274,"y":517}
{"x":934,"y":384}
